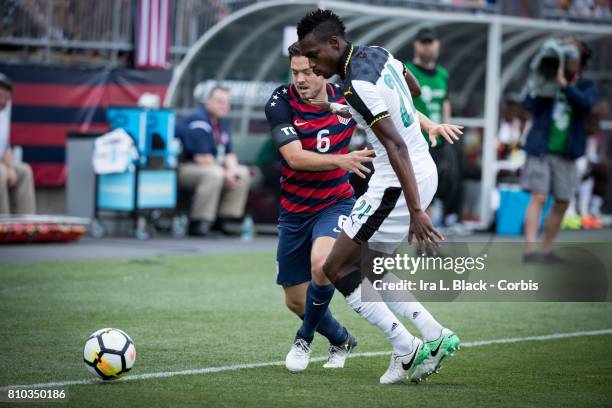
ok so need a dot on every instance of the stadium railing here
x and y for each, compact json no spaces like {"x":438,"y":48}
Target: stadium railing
{"x":107,"y":26}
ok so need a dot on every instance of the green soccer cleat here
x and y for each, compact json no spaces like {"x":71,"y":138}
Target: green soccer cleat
{"x":439,"y":349}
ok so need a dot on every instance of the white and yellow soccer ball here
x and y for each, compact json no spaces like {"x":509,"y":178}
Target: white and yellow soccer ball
{"x":109,"y":354}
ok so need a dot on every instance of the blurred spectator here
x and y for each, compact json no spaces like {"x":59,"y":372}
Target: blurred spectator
{"x":434,"y":103}
{"x":593,"y":169}
{"x":513,"y":126}
{"x":16,"y":181}
{"x":556,"y":139}
{"x":510,"y":126}
{"x":601,"y":9}
{"x":580,"y":8}
{"x":212,"y":170}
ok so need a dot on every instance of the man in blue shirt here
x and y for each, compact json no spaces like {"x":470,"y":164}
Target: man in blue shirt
{"x":220,"y":183}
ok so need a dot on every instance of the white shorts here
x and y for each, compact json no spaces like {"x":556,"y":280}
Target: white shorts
{"x":381,"y":216}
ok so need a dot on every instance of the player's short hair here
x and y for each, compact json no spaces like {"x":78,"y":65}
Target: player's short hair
{"x":294,"y":50}
{"x":323,"y":23}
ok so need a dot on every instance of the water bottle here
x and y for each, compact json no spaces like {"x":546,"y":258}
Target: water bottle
{"x":247,"y":229}
{"x":221,"y":153}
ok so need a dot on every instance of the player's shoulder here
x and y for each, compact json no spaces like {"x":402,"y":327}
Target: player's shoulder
{"x":281,"y":96}
{"x":282,"y":92}
{"x":367,"y":63}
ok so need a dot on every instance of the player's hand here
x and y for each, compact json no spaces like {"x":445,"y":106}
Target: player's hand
{"x":422,"y":229}
{"x":353,"y":161}
{"x":11,"y":177}
{"x":450,"y":133}
{"x":335,"y":108}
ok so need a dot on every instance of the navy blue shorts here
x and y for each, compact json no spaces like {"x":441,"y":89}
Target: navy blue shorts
{"x":295,"y":238}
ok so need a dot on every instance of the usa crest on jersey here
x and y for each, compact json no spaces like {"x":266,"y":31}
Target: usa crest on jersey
{"x":343,"y":120}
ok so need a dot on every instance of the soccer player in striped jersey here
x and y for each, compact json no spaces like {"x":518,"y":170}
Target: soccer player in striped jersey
{"x":403,"y":184}
{"x":316,"y":198}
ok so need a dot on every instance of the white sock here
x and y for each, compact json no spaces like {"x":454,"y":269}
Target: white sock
{"x":406,"y":305}
{"x":380,"y":316}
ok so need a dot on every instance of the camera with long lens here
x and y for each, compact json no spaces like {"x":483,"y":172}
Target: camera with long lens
{"x":542,"y":81}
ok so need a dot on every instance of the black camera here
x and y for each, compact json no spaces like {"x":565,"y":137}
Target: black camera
{"x":544,"y":66}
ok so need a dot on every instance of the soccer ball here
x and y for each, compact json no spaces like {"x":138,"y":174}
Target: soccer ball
{"x":109,"y":354}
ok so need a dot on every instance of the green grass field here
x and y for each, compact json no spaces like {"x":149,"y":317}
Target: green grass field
{"x":195,"y":312}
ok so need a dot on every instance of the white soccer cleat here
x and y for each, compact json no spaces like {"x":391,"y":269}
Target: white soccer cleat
{"x":402,"y":367}
{"x":439,"y":349}
{"x":299,"y":356}
{"x":338,"y":354}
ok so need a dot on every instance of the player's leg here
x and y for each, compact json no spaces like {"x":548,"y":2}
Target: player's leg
{"x":317,"y":314}
{"x":394,"y":229}
{"x":318,"y":295}
{"x":295,"y":300}
{"x":293,"y":273}
{"x":342,"y":269}
{"x":438,"y":340}
{"x":325,"y":228}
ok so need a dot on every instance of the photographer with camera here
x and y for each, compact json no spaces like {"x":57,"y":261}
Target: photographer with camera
{"x":560,"y":100}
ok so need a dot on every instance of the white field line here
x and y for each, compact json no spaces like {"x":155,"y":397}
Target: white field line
{"x":208,"y":370}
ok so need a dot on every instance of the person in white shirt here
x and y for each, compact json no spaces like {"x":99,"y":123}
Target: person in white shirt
{"x":16,"y":181}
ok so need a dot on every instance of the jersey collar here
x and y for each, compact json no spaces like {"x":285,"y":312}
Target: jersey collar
{"x":345,"y":59}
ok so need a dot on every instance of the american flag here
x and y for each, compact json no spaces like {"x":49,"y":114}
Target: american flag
{"x":152,"y":34}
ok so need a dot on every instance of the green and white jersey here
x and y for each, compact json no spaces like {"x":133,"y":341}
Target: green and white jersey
{"x":375,"y":88}
{"x":434,"y":91}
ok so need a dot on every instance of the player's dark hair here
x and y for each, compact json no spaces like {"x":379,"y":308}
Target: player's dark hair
{"x":294,"y":50}
{"x":324,"y":23}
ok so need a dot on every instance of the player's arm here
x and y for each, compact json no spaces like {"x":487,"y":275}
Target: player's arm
{"x":366,"y":100}
{"x":279,"y":118}
{"x":412,"y":82}
{"x":300,"y":159}
{"x":449,"y":132}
